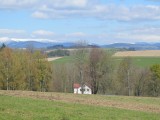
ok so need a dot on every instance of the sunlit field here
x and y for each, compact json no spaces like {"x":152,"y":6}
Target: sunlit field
{"x":18,"y":105}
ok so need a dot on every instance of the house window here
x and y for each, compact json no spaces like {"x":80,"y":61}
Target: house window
{"x":87,"y":89}
{"x":81,"y":89}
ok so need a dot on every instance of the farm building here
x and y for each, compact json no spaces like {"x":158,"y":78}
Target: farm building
{"x":78,"y":89}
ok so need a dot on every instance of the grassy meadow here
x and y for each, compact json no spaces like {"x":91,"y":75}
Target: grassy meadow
{"x":137,"y":61}
{"x":20,"y":105}
{"x":141,"y":61}
{"x":146,"y":61}
{"x":63,"y":60}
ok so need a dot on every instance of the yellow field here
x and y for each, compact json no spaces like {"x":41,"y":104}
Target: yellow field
{"x":144,"y":53}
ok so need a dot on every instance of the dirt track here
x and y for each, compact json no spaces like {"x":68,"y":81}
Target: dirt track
{"x":110,"y":101}
{"x":145,"y":53}
{"x":53,"y":58}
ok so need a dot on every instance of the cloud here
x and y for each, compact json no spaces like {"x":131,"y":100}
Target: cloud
{"x":147,"y":31}
{"x":3,"y":39}
{"x":128,"y":35}
{"x":138,"y":37}
{"x":23,"y":4}
{"x":22,"y":35}
{"x":11,"y":31}
{"x":61,"y":9}
{"x":43,"y":33}
{"x":103,"y":12}
{"x":138,"y":34}
{"x":32,"y":39}
{"x":133,"y":13}
{"x":40,"y":15}
{"x":17,"y":4}
{"x":67,"y":3}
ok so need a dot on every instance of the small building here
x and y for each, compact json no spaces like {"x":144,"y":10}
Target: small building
{"x":78,"y":89}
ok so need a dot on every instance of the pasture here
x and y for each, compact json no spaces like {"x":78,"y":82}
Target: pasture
{"x":18,"y":105}
{"x":137,"y":61}
{"x":63,"y":60}
{"x":140,"y":61}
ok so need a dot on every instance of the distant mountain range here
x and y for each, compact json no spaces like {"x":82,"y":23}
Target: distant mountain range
{"x":135,"y":46}
{"x":35,"y":44}
{"x":52,"y":45}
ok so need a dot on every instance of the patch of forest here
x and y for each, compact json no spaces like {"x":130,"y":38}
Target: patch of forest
{"x":30,"y":70}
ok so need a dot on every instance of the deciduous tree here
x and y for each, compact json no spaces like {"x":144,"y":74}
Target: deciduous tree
{"x":125,"y":76}
{"x":154,"y":83}
{"x":98,"y":66}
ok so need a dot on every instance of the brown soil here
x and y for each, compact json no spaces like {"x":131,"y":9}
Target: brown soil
{"x":53,"y":58}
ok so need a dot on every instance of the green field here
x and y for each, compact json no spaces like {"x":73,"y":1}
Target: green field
{"x":66,"y":59}
{"x":17,"y":105}
{"x":146,"y":61}
{"x":141,"y":61}
{"x":138,"y":61}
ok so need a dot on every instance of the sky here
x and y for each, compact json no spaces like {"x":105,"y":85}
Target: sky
{"x":95,"y":21}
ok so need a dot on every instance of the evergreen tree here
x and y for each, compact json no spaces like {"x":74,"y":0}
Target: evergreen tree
{"x":2,"y":47}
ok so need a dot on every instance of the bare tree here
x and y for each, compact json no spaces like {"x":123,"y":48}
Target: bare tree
{"x":6,"y":62}
{"x":142,"y":75}
{"x":80,"y":60}
{"x":125,"y":73}
{"x":98,"y":66}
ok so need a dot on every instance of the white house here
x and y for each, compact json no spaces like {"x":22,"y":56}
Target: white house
{"x":78,"y":89}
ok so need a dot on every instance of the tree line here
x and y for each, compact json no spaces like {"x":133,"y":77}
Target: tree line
{"x":98,"y":69}
{"x":30,"y":70}
{"x":58,"y":52}
{"x":24,"y":70}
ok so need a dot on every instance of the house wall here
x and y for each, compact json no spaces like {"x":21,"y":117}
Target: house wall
{"x":87,"y":90}
{"x":76,"y":91}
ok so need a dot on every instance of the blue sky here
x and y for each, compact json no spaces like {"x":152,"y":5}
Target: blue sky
{"x":96,"y":21}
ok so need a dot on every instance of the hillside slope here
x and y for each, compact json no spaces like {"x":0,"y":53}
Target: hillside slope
{"x":147,"y":104}
{"x":18,"y":105}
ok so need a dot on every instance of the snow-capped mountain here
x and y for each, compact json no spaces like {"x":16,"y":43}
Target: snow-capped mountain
{"x":24,"y":43}
{"x":51,"y":44}
{"x":5,"y":40}
{"x":33,"y":43}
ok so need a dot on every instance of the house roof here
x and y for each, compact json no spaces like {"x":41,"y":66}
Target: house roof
{"x":76,"y":85}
